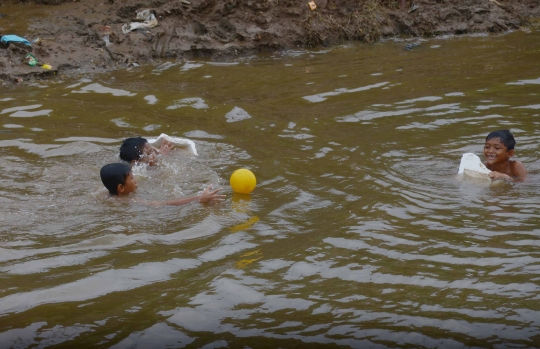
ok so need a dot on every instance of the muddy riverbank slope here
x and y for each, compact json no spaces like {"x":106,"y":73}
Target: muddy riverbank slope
{"x":80,"y":37}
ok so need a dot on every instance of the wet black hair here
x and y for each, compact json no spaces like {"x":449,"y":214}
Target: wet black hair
{"x":114,"y":174}
{"x":506,"y":137}
{"x":132,"y":149}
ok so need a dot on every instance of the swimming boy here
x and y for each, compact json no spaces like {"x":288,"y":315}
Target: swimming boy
{"x":498,"y":150}
{"x":137,"y":149}
{"x":118,"y":179}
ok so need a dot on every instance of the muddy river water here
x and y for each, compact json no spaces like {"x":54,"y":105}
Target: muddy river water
{"x":359,"y":233}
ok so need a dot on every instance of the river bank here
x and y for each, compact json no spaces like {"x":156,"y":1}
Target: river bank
{"x":102,"y":35}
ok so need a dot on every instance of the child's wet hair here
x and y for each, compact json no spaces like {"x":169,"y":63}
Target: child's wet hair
{"x":132,"y":149}
{"x":505,"y":136}
{"x":114,"y":174}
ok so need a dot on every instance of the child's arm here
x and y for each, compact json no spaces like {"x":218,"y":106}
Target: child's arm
{"x":207,"y":195}
{"x":166,"y":147}
{"x":518,"y":171}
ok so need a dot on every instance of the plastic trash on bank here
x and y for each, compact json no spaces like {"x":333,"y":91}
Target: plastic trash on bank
{"x":148,"y":21}
{"x":31,"y":60}
{"x":6,"y":39}
{"x":107,"y":40}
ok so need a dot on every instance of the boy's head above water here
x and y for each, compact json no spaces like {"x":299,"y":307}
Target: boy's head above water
{"x":499,"y":147}
{"x":118,"y":179}
{"x":137,"y":149}
{"x":498,"y":151}
{"x":505,"y":138}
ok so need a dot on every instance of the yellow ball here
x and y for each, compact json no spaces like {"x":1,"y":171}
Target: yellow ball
{"x":243,"y":181}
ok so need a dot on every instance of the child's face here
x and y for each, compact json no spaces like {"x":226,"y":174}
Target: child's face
{"x":496,"y":152}
{"x":129,"y":186}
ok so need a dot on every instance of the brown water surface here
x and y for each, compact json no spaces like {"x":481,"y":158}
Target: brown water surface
{"x":359,"y":233}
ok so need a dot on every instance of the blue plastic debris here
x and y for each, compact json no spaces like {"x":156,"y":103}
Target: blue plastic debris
{"x":6,"y":39}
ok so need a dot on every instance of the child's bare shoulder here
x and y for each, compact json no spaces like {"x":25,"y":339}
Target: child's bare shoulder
{"x":517,"y":169}
{"x":516,"y":163}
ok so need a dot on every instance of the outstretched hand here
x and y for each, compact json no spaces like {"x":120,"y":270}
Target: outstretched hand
{"x":209,"y":195}
{"x":166,"y":147}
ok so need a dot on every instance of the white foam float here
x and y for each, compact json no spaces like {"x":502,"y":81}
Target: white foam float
{"x":472,"y":166}
{"x":177,"y":141}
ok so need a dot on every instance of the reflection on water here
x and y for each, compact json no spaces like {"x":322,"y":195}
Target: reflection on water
{"x":359,"y":233}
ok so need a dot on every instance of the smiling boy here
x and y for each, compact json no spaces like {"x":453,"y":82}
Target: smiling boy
{"x":119,"y":180}
{"x":498,"y":150}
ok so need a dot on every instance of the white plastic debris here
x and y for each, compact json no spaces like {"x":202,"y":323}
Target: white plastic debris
{"x":148,"y":18}
{"x":177,"y":141}
{"x":471,"y":165}
{"x":107,"y":41}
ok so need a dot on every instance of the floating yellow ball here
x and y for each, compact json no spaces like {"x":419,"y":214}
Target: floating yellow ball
{"x":243,"y":181}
